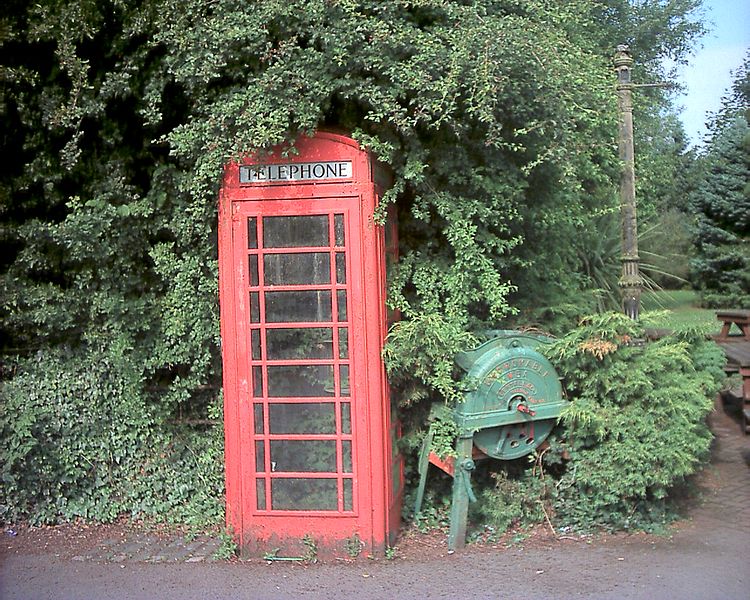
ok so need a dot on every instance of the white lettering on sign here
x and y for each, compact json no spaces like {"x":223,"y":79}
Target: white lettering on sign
{"x":315,"y":171}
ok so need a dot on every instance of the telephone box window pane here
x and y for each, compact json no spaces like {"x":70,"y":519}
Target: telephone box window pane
{"x":307,"y":417}
{"x":258,"y":418}
{"x":303,"y":456}
{"x":260,"y":457}
{"x":341,"y":300}
{"x":304,"y":494}
{"x":295,"y":232}
{"x":344,"y":378}
{"x":254,"y":307}
{"x":257,"y":382}
{"x":346,"y":456}
{"x":340,"y":268}
{"x":253,"y":267}
{"x":348,"y":502}
{"x":252,"y":233}
{"x":300,"y":381}
{"x":260,"y":490}
{"x":346,"y":418}
{"x":309,"y":342}
{"x":343,"y":342}
{"x":298,"y":307}
{"x":307,"y":268}
{"x":255,"y":344}
{"x":338,"y":226}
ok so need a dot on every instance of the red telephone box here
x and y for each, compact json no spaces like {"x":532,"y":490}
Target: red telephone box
{"x":310,"y":440}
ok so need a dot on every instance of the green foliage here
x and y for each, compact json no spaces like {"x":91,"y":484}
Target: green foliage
{"x":636,"y":421}
{"x":575,"y":252}
{"x":181,"y":480}
{"x":512,"y":501}
{"x":227,"y":548}
{"x":353,"y":546}
{"x":677,"y":310}
{"x":663,"y":248}
{"x":444,"y":432}
{"x":435,"y":512}
{"x":311,"y":548}
{"x":422,"y":350}
{"x":72,"y":433}
{"x":79,"y":440}
{"x":496,"y":117}
{"x":736,"y":100}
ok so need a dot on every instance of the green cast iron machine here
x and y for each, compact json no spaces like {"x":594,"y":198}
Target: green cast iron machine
{"x":511,"y":411}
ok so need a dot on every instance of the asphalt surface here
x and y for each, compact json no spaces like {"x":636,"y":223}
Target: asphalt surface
{"x":706,"y":557}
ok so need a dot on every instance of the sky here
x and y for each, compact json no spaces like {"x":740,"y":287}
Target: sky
{"x":709,"y":75}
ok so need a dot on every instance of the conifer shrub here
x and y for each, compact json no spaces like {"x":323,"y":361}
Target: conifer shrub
{"x":634,"y":431}
{"x":721,"y":267}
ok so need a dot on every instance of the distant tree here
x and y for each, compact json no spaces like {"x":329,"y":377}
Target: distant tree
{"x":721,"y":269}
{"x":585,"y":257}
{"x":736,"y":101}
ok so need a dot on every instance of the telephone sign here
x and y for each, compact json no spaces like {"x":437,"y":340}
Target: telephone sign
{"x":291,"y":172}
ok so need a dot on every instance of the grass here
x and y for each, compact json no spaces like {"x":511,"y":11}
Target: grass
{"x":677,"y":309}
{"x":669,"y":300}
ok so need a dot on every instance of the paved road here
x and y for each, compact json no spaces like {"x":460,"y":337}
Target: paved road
{"x":707,"y":558}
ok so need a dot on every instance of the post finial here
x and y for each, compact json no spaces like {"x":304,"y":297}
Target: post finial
{"x":623,"y":57}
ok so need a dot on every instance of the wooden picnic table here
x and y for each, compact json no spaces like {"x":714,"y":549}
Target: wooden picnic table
{"x":740,"y":318}
{"x":737,"y":350}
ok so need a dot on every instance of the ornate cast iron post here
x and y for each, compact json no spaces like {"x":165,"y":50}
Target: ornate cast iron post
{"x":630,"y":282}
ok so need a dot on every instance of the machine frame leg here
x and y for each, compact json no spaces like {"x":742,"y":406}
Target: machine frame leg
{"x":462,"y":493}
{"x":423,"y":466}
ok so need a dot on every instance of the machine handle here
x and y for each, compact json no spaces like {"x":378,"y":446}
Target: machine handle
{"x":463,"y":473}
{"x":525,"y":409}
